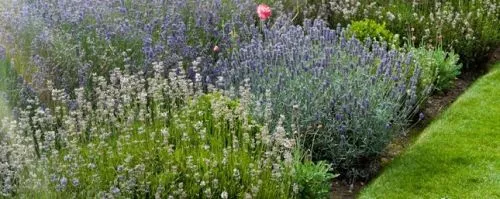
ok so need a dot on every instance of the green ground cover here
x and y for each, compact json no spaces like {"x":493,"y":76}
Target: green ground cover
{"x":457,"y":156}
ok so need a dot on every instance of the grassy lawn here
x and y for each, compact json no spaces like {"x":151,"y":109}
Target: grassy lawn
{"x":457,"y":156}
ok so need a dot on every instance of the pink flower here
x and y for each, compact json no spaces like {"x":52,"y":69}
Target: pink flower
{"x":216,"y":49}
{"x":264,"y":11}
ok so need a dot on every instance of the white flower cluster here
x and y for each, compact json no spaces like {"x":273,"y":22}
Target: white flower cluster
{"x":443,"y":21}
{"x":133,"y":135}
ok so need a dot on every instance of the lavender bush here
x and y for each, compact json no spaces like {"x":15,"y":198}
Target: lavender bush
{"x":467,"y":27}
{"x":346,"y":101}
{"x":150,"y":138}
{"x":66,"y":41}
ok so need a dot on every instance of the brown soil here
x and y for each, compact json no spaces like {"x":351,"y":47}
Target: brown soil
{"x":433,"y":107}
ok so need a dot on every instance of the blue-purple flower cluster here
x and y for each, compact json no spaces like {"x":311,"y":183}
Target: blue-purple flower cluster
{"x":66,"y":41}
{"x":346,"y":99}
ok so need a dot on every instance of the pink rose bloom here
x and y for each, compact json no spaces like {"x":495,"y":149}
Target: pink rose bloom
{"x":264,"y":11}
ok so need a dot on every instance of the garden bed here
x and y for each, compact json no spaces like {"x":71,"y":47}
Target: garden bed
{"x":189,"y":98}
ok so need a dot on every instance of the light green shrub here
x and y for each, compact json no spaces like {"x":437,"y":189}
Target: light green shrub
{"x":371,"y":29}
{"x":439,"y":68}
{"x":314,"y":180}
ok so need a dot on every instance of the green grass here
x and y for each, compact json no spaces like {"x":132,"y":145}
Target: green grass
{"x":457,"y":156}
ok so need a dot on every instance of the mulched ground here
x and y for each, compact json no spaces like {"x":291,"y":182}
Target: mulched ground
{"x":433,"y":107}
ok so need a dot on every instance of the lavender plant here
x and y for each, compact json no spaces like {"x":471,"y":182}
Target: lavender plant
{"x":346,"y":101}
{"x":469,"y":28}
{"x":66,"y":41}
{"x":151,"y":137}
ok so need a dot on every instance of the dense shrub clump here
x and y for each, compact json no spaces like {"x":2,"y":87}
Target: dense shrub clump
{"x":439,"y":68}
{"x":152,"y":138}
{"x":469,"y":28}
{"x":66,"y":41}
{"x":371,"y":29}
{"x":346,"y":100}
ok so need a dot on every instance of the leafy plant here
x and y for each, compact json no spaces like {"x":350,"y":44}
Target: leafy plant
{"x":439,"y":68}
{"x":371,"y":29}
{"x":314,"y":180}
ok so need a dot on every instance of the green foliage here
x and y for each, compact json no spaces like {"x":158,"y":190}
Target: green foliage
{"x":9,"y":85}
{"x":371,"y":29}
{"x":469,"y":28}
{"x":314,"y":180}
{"x":439,"y":68}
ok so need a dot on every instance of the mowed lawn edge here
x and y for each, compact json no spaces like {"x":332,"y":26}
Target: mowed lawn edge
{"x":457,"y":156}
